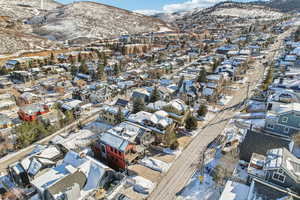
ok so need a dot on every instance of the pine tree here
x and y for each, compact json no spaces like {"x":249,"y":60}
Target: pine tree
{"x":74,"y":70}
{"x":180,"y":83}
{"x":100,"y":72}
{"x":104,"y":59}
{"x":138,"y":105}
{"x":202,"y":111}
{"x":120,"y":116}
{"x":155,"y":96}
{"x":116,"y":69}
{"x":52,"y":59}
{"x":202,"y":76}
{"x":79,"y":57}
{"x":191,"y":123}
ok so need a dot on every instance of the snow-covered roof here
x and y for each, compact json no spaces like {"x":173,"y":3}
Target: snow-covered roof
{"x":235,"y":191}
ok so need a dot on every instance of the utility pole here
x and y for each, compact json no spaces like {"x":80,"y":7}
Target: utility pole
{"x":42,"y":4}
{"x":248,"y":87}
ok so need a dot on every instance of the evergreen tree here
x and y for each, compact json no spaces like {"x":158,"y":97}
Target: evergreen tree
{"x":116,"y":69}
{"x":202,"y":111}
{"x":52,"y":59}
{"x":79,"y":57}
{"x":191,"y":123}
{"x":120,"y":116}
{"x":74,"y":70}
{"x":202,"y":76}
{"x":138,"y":105}
{"x":3,"y":71}
{"x":155,"y":96}
{"x":180,"y":83}
{"x":104,"y":59}
{"x":100,"y":72}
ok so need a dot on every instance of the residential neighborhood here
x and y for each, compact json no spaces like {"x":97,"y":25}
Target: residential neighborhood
{"x":206,"y":110}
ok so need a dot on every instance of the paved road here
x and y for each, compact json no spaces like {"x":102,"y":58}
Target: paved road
{"x":184,"y":167}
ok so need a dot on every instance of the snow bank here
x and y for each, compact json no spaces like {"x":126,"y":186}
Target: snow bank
{"x":141,"y":185}
{"x":195,"y":191}
{"x":155,"y":164}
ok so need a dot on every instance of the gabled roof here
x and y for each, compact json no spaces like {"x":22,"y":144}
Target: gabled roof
{"x":282,"y":158}
{"x":114,"y":141}
{"x":260,"y":143}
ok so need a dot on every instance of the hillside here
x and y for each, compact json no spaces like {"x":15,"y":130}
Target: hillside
{"x":92,"y":20}
{"x":23,"y":9}
{"x":15,"y":36}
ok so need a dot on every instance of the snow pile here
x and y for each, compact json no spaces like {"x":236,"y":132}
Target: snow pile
{"x":172,"y":152}
{"x":224,"y":100}
{"x":155,"y":164}
{"x":258,"y":115}
{"x":141,"y":185}
{"x":195,"y":191}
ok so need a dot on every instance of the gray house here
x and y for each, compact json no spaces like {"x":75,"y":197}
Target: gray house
{"x":279,"y":167}
{"x":283,"y":119}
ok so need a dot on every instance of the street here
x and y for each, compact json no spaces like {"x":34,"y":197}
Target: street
{"x":184,"y":167}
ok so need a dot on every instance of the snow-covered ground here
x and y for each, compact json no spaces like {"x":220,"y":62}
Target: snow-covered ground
{"x":225,"y":100}
{"x":247,"y":13}
{"x":155,"y":164}
{"x":196,"y":191}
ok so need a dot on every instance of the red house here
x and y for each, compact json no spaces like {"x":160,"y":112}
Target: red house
{"x":30,"y":112}
{"x":116,"y":151}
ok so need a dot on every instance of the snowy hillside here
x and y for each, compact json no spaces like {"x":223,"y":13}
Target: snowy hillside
{"x":256,"y":12}
{"x":22,"y":9}
{"x":94,"y":20}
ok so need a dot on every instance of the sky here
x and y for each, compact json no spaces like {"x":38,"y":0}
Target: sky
{"x":156,"y":6}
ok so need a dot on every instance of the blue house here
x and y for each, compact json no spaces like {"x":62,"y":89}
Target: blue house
{"x":283,"y":119}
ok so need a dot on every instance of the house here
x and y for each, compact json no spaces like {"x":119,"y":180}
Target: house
{"x":141,"y":93}
{"x":21,"y":76}
{"x":5,"y":121}
{"x":52,"y":118}
{"x":77,"y":178}
{"x":28,"y":98}
{"x":134,"y":133}
{"x":159,"y":123}
{"x":7,"y":105}
{"x":260,"y":142}
{"x":283,"y":119}
{"x":188,"y":91}
{"x":122,"y":103}
{"x":115,"y":150}
{"x":278,"y":167}
{"x":32,"y":111}
{"x":109,"y":114}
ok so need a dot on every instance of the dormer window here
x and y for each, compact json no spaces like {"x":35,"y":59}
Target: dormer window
{"x":285,"y":119}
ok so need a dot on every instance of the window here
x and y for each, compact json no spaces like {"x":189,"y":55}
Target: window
{"x":278,"y":177}
{"x":286,"y":130}
{"x":285,"y":119}
{"x":270,"y":126}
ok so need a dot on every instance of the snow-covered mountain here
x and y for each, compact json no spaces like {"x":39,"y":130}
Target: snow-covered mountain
{"x":26,"y":21}
{"x":23,"y":9}
{"x":92,"y":20}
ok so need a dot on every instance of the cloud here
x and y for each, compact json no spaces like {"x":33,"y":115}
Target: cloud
{"x":148,"y":12}
{"x":189,"y":5}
